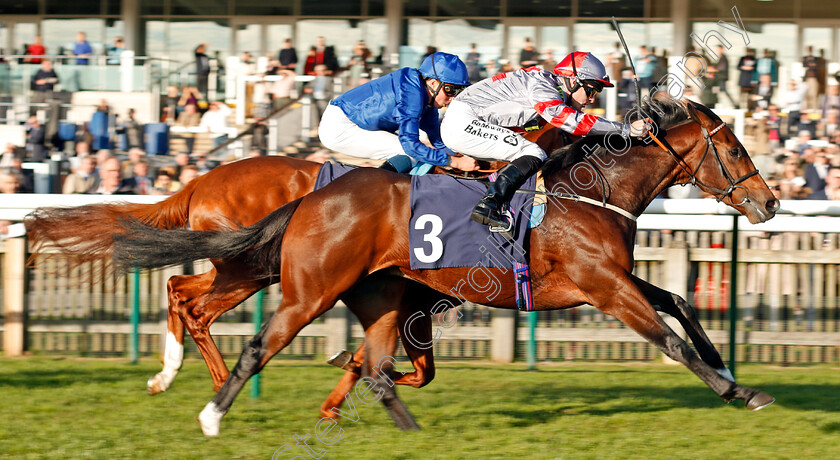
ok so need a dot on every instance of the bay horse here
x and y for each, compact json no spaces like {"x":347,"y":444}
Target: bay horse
{"x":329,"y":241}
{"x":229,"y":197}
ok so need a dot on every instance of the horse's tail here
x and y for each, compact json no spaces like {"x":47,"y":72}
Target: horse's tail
{"x":86,"y":233}
{"x":140,"y":245}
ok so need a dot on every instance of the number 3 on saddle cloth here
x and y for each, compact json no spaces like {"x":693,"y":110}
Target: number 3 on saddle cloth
{"x":442,"y":235}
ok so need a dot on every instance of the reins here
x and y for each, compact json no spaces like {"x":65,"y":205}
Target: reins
{"x":721,"y":194}
{"x":583,"y":199}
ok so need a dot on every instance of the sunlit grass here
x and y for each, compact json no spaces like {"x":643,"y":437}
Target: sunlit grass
{"x":77,"y":408}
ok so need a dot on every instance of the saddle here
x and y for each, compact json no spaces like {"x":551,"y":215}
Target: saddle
{"x":485,"y":169}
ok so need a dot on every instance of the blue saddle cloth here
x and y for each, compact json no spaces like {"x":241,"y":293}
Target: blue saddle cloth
{"x":442,"y":235}
{"x":329,"y":172}
{"x":332,"y":171}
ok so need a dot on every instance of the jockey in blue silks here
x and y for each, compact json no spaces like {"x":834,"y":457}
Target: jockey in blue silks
{"x":382,"y":119}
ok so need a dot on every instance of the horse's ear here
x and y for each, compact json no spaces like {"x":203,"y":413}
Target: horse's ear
{"x":691,"y":109}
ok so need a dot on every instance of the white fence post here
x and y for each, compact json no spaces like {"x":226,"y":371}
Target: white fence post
{"x":127,"y":71}
{"x":306,"y":118}
{"x":503,"y":333}
{"x":338,"y":325}
{"x":677,"y":267}
{"x":14,"y":296}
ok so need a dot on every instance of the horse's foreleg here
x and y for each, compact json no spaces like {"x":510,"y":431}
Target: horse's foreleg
{"x":686,"y":314}
{"x":180,"y":289}
{"x":626,"y":302}
{"x":414,"y":323}
{"x":294,"y":313}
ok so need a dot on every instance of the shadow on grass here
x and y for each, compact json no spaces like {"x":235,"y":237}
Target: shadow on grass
{"x":553,"y":403}
{"x":56,"y":378}
{"x":831,"y":427}
{"x":57,"y":373}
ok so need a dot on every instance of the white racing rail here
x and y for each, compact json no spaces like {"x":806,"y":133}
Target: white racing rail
{"x":672,"y":214}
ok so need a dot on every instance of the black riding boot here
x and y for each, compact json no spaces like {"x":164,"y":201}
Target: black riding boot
{"x":488,"y":211}
{"x":398,"y":164}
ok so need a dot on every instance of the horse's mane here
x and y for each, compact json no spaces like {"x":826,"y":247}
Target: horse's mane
{"x":664,"y":111}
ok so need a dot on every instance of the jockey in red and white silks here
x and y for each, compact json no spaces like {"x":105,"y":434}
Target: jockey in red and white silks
{"x":475,"y":120}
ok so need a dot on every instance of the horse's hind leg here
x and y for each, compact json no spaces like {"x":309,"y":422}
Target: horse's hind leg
{"x":421,"y":358}
{"x":686,"y":314}
{"x":229,"y":288}
{"x":344,"y":386}
{"x":375,"y":302}
{"x":180,"y":289}
{"x":381,"y":365}
{"x":414,"y":324}
{"x":626,"y":302}
{"x":382,"y":336}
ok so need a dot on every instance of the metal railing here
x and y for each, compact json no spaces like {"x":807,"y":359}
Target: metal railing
{"x":236,"y":146}
{"x":126,"y":72}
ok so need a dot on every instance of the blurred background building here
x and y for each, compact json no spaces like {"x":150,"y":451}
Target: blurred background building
{"x":171,"y":28}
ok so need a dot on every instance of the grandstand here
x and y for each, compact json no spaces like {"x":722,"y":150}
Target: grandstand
{"x":143,"y":56}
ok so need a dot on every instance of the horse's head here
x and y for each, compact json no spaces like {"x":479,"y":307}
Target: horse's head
{"x":723,"y":168}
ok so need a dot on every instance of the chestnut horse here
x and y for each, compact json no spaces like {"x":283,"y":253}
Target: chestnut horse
{"x":331,"y":240}
{"x":228,"y":197}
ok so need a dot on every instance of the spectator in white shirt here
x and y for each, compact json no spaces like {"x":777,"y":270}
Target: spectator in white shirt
{"x":792,"y":102}
{"x":215,"y":121}
{"x":8,"y":156}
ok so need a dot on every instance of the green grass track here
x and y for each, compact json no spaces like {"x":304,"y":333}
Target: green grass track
{"x":98,"y":409}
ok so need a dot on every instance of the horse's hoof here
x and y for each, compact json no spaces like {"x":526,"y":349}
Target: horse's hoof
{"x":156,"y":385}
{"x":329,"y":415}
{"x":759,"y":401}
{"x":210,"y":418}
{"x":344,"y":360}
{"x":409,"y":426}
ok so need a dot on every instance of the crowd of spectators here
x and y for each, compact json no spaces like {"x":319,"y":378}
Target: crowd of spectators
{"x":793,"y":130}
{"x":795,"y":124}
{"x":92,"y":162}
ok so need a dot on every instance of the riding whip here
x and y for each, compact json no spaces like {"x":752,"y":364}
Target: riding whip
{"x":630,"y":59}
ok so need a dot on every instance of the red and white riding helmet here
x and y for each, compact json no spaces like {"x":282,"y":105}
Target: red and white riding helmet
{"x":584,"y":67}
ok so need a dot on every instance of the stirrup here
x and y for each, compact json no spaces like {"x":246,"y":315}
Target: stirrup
{"x":507,"y":229}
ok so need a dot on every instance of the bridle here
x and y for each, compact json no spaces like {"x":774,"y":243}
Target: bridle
{"x":666,"y":146}
{"x":720,"y":194}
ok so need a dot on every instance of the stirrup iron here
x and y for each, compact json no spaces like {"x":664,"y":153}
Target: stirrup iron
{"x":507,"y":229}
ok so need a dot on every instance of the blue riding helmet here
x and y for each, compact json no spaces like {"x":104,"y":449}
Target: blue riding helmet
{"x":445,"y":67}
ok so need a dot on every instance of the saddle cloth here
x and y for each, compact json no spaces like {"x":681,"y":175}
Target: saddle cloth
{"x":329,"y":172}
{"x":442,"y":235}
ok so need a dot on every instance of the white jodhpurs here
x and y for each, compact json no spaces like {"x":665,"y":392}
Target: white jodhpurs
{"x":339,"y":133}
{"x":464,"y":133}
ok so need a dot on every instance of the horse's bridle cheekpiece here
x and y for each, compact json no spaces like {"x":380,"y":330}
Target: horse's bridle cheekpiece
{"x":733,"y":183}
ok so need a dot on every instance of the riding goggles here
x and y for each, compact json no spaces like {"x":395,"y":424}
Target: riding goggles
{"x":591,"y":90}
{"x":452,"y":90}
